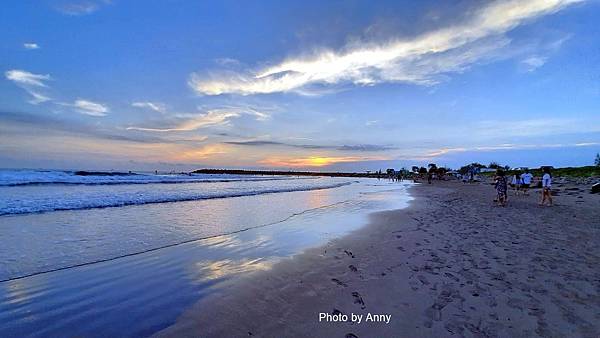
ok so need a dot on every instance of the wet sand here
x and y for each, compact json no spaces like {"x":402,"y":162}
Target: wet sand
{"x":452,"y":264}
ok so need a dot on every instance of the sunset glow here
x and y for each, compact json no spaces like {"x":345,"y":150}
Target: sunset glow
{"x":484,"y":81}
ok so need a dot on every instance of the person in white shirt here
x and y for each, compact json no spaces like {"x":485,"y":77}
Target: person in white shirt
{"x":516,"y":183}
{"x":546,"y":187}
{"x":526,"y":182}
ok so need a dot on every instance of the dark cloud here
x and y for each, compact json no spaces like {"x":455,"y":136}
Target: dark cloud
{"x":358,"y":147}
{"x":51,"y":124}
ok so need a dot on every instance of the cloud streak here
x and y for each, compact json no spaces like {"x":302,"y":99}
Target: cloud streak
{"x":31,"y":45}
{"x":31,"y":83}
{"x":213,"y":117}
{"x":158,"y":107}
{"x":77,"y":8}
{"x":87,"y":107}
{"x":445,"y":151}
{"x":420,"y":60}
{"x":358,"y":147}
{"x":314,"y":161}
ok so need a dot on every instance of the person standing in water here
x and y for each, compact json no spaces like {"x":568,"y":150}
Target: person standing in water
{"x":546,"y":187}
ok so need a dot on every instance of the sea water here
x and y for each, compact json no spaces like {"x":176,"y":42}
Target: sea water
{"x":126,"y":254}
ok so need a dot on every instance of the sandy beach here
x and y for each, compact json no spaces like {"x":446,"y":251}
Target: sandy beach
{"x":451,"y":264}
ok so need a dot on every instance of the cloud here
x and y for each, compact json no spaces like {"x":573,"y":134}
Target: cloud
{"x":31,"y":45}
{"x":26,"y":78}
{"x":76,"y":8}
{"x":202,"y":153}
{"x":534,"y":127}
{"x":420,"y":60}
{"x":213,"y":117}
{"x":444,"y":151}
{"x":38,"y":124}
{"x":534,"y":62}
{"x":313,"y":161}
{"x":158,"y":107}
{"x":30,"y":82}
{"x":358,"y":147}
{"x":88,"y":107}
{"x":227,"y":62}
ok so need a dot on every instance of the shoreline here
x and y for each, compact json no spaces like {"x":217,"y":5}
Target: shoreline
{"x":450,"y":263}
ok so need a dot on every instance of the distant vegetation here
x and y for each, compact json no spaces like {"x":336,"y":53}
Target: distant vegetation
{"x":587,"y":171}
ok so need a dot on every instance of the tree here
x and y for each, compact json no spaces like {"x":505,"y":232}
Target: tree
{"x":494,"y":165}
{"x":597,"y":160}
{"x":415,"y":169}
{"x":423,"y":170}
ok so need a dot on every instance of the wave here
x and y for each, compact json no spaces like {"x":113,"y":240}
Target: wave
{"x":16,"y":178}
{"x":121,"y":201}
{"x":170,"y":181}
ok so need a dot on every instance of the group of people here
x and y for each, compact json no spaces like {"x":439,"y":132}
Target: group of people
{"x":522,"y":183}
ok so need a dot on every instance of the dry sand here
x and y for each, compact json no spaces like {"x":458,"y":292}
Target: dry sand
{"x":452,"y":264}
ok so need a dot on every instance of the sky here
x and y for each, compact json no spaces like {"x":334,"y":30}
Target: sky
{"x":298,"y":85}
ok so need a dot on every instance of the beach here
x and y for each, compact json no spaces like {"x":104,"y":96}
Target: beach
{"x":451,"y":264}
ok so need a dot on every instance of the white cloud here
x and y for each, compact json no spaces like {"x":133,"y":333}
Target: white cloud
{"x":37,"y":97}
{"x":31,"y":45}
{"x":534,"y":127}
{"x":534,"y":62}
{"x":158,"y":107}
{"x":420,"y":60}
{"x":227,"y":62}
{"x":88,"y":107}
{"x":79,"y":8}
{"x":26,"y":78}
{"x":213,"y":117}
{"x":193,"y":122}
{"x":444,"y":151}
{"x":30,"y":82}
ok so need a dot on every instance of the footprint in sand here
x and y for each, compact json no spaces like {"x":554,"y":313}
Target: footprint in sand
{"x":349,"y":253}
{"x":434,"y":312}
{"x":339,"y":282}
{"x":451,"y":276}
{"x":352,"y":268}
{"x":336,"y":312}
{"x":358,"y":299}
{"x":423,"y":279}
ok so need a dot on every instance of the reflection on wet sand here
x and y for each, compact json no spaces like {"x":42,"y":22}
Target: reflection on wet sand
{"x":142,"y":294}
{"x":225,"y":267}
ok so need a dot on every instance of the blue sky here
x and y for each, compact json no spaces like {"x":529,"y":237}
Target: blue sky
{"x":337,"y":85}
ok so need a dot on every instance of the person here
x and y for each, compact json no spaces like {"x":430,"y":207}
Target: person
{"x":546,"y":187}
{"x":526,"y":182}
{"x":501,"y":187}
{"x":516,"y":183}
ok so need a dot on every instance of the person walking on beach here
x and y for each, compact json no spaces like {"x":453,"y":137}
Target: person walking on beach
{"x":501,"y":187}
{"x":526,"y":182}
{"x":516,"y":183}
{"x":546,"y":187}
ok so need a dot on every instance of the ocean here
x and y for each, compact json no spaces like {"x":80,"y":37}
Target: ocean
{"x":98,"y":255}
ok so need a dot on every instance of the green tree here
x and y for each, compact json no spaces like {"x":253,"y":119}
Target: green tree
{"x":597,"y":160}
